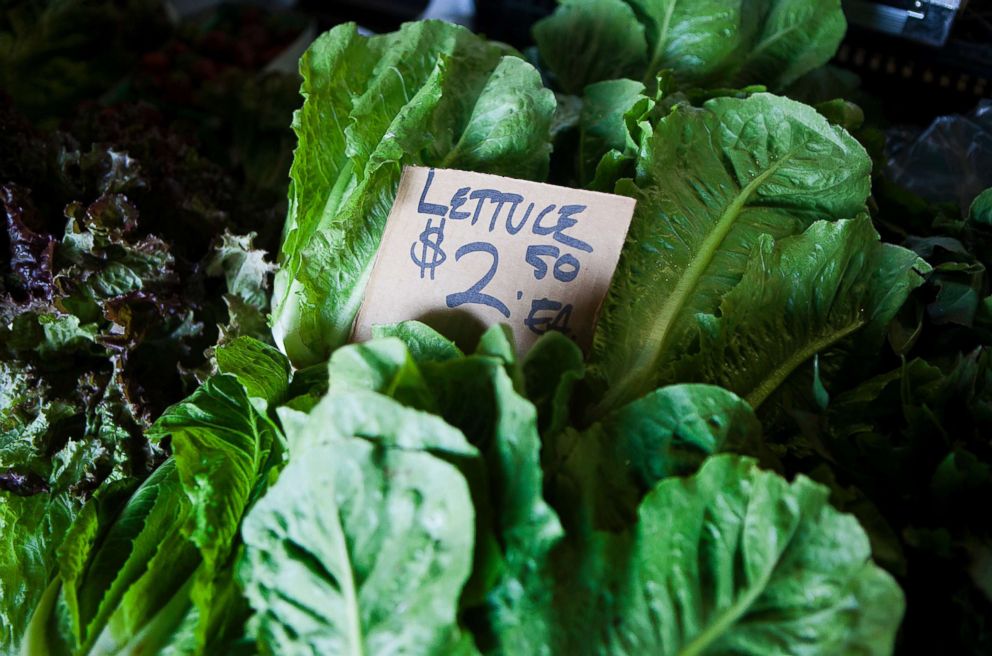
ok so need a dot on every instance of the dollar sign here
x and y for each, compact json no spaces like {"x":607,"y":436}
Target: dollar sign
{"x":430,"y":243}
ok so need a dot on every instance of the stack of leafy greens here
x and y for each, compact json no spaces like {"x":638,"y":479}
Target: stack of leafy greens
{"x":121,"y":273}
{"x":782,"y":417}
{"x":131,"y":252}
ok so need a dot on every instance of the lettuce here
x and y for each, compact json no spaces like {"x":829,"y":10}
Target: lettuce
{"x":710,"y":43}
{"x":150,"y":567}
{"x":127,"y":257}
{"x":362,"y":545}
{"x":298,"y":527}
{"x":480,"y":395}
{"x":431,"y":94}
{"x":599,"y":476}
{"x":750,"y":225}
{"x":730,"y":560}
{"x":585,"y":592}
{"x":726,"y":472}
{"x":748,"y":170}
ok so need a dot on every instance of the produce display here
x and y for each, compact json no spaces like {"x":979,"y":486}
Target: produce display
{"x":778,"y":443}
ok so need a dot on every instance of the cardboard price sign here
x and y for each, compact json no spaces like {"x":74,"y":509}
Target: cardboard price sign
{"x":482,"y":249}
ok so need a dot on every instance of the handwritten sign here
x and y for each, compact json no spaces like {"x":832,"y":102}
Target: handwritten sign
{"x":482,"y":249}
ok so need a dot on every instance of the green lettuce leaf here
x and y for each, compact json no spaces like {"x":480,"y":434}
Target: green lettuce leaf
{"x":710,"y":183}
{"x":152,"y":571}
{"x":551,"y":369}
{"x":515,"y":527}
{"x":223,"y":447}
{"x":730,"y":560}
{"x":610,"y":127}
{"x":262,"y":370}
{"x":248,"y":275}
{"x":244,"y":268}
{"x":364,"y":543}
{"x":32,"y":529}
{"x":383,"y":365}
{"x":980,"y":212}
{"x":424,"y":343}
{"x":797,"y":298}
{"x":478,"y":394}
{"x":704,"y":42}
{"x":52,"y":454}
{"x":430,"y":94}
{"x":599,"y":476}
{"x":612,"y":42}
{"x":106,"y":557}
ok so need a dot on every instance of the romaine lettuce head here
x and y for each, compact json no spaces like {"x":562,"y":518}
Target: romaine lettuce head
{"x":429,"y":94}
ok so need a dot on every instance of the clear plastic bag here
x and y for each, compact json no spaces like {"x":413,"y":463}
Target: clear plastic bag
{"x":950,"y":161}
